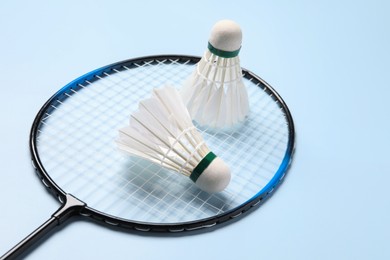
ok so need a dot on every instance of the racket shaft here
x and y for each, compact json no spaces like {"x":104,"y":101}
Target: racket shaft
{"x":71,"y":207}
{"x":23,"y":245}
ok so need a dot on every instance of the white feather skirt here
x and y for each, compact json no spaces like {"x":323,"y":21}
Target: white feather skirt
{"x":215,"y":94}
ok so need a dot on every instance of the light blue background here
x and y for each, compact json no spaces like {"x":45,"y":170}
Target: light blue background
{"x":329,"y":60}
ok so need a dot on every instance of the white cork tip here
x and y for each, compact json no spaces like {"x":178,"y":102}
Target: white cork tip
{"x":215,"y":177}
{"x":226,"y":35}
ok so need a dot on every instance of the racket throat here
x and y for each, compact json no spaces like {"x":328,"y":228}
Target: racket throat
{"x":71,"y":207}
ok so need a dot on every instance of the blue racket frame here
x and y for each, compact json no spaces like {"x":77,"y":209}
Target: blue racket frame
{"x":72,"y":206}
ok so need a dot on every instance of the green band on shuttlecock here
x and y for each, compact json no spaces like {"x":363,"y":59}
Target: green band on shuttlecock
{"x":223,"y":54}
{"x":203,"y":164}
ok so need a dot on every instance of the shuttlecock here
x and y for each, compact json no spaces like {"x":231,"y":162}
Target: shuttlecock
{"x":161,"y":131}
{"x":215,"y":94}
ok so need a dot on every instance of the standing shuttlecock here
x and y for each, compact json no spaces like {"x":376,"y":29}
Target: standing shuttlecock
{"x":215,"y":94}
{"x":161,"y":131}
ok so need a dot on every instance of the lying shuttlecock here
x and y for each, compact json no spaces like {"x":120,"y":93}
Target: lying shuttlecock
{"x":161,"y":131}
{"x":215,"y":94}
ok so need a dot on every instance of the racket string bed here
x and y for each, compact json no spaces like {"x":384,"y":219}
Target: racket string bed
{"x":86,"y":117}
{"x":73,"y":150}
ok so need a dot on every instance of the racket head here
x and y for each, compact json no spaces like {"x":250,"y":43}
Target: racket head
{"x":73,"y":150}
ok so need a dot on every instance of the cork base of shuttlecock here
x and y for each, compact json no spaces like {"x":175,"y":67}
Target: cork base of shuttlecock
{"x":226,"y":35}
{"x":215,"y":177}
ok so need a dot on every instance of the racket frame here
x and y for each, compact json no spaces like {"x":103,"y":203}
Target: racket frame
{"x":77,"y":207}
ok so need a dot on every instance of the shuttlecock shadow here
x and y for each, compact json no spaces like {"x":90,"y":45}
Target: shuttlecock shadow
{"x":174,"y":196}
{"x":237,"y":128}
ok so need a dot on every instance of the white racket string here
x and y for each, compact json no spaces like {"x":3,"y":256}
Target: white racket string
{"x":76,"y":145}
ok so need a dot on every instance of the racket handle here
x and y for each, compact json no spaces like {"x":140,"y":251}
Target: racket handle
{"x":71,"y":207}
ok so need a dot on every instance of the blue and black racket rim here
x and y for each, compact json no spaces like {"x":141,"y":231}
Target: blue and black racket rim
{"x":76,"y":207}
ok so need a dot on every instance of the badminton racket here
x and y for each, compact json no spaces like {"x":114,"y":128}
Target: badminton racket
{"x":75,"y":156}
